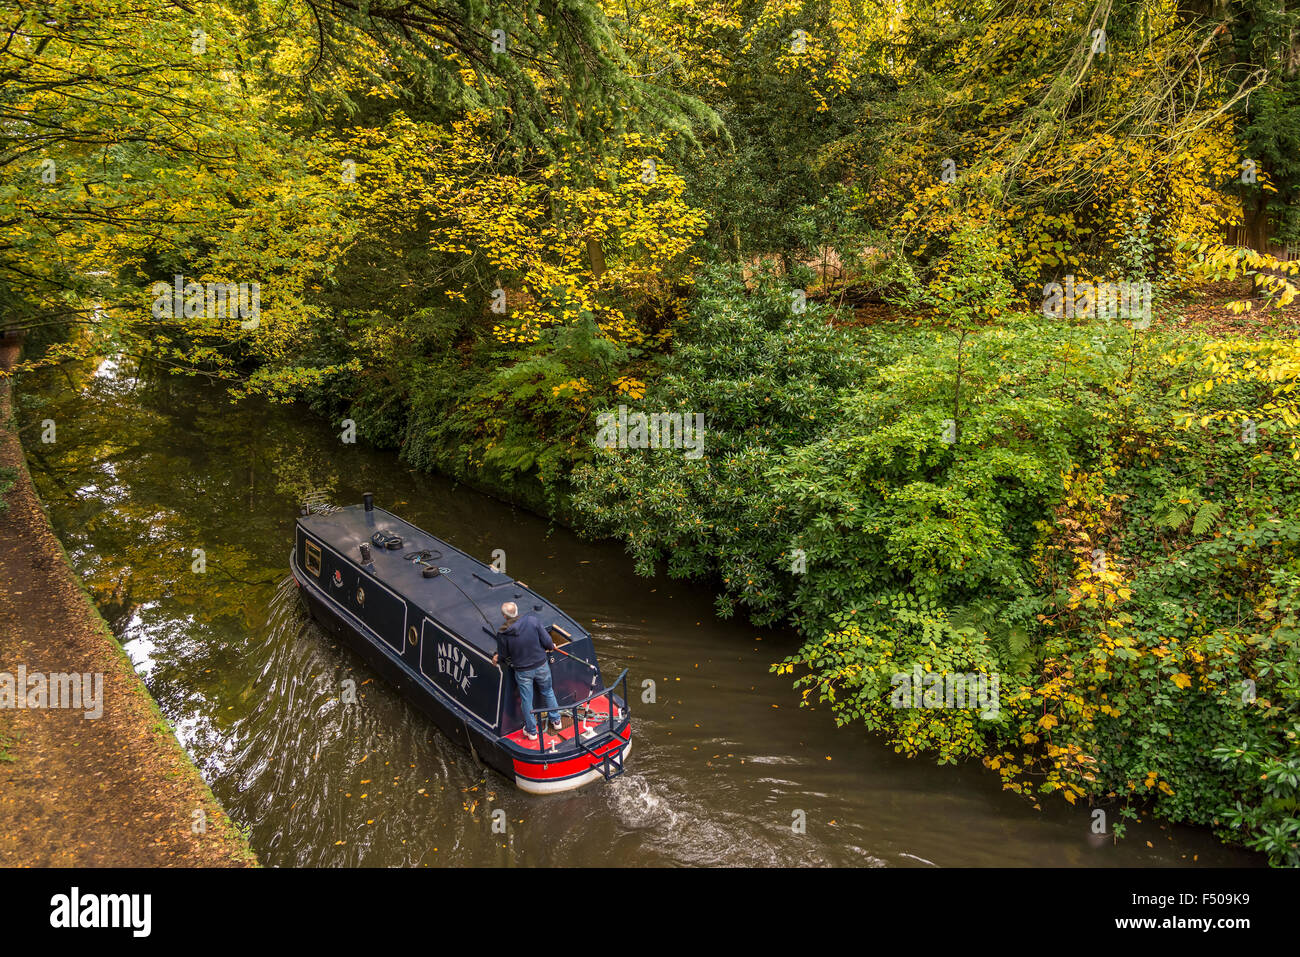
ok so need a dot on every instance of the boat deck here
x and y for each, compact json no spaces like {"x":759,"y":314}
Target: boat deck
{"x":564,"y":738}
{"x":455,"y":597}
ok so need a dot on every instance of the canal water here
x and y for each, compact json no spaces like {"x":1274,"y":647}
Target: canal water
{"x":177,"y":509}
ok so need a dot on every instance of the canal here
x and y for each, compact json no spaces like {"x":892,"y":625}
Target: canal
{"x":177,"y":509}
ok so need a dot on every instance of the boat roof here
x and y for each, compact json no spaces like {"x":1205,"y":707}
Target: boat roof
{"x":481,"y":587}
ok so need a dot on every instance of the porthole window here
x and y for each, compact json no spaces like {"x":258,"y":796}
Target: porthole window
{"x":361,"y":596}
{"x":412,"y":636}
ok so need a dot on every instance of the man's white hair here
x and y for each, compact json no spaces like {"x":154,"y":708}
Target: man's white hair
{"x":510,"y":609}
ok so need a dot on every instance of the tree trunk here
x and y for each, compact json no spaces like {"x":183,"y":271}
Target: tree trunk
{"x":596,"y":254}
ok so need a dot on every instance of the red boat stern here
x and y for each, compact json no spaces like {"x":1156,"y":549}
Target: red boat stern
{"x":588,"y":746}
{"x":566,"y":771}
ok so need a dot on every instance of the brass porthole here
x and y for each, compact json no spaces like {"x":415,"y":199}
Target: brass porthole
{"x":412,"y":636}
{"x":361,"y":596}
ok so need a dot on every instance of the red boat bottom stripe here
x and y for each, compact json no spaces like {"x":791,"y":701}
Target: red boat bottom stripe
{"x":563,"y":769}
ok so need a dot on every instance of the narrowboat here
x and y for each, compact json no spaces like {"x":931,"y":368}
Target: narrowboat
{"x":425,"y":616}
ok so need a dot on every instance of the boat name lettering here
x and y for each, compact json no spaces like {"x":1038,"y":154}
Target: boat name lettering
{"x":454,"y":663}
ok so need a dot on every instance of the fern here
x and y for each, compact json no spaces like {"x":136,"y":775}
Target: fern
{"x":1206,"y":518}
{"x":1182,"y":504}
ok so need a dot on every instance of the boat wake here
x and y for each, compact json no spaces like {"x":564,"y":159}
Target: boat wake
{"x":638,"y":806}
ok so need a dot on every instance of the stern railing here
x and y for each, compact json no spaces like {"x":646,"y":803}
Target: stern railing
{"x":609,"y":764}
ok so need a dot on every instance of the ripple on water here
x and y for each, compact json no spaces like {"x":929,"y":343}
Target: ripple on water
{"x":638,"y":806}
{"x":681,"y":829}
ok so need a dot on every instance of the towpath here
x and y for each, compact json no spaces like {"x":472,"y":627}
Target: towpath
{"x":74,"y":791}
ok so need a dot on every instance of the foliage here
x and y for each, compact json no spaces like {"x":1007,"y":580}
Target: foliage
{"x":763,"y":375}
{"x":1178,"y":644}
{"x":1032,"y":124}
{"x":1262,"y":38}
{"x":1268,"y":368}
{"x":858,"y":661}
{"x":572,"y":240}
{"x":152,"y":160}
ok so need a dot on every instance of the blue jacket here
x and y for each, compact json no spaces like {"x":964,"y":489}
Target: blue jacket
{"x":524,"y":643}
